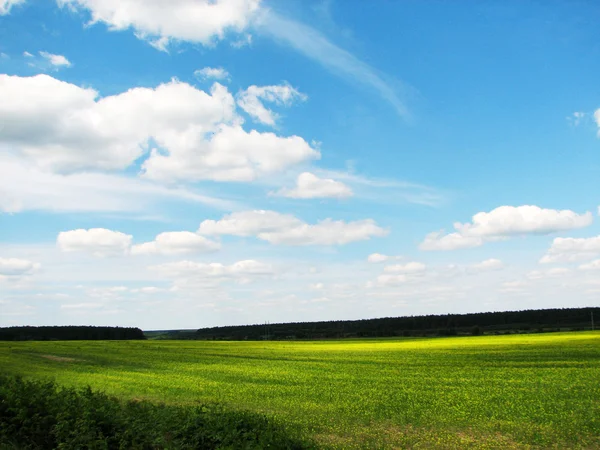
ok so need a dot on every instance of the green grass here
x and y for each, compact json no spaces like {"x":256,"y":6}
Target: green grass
{"x":519,"y":391}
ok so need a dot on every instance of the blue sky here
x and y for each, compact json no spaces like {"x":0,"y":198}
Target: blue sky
{"x":193,"y":163}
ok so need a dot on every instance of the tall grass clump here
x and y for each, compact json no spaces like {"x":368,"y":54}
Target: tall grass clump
{"x":41,"y":415}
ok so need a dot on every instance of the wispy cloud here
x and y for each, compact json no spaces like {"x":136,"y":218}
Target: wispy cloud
{"x":23,"y":187}
{"x":315,"y":45}
{"x":395,"y":191}
{"x":56,"y":60}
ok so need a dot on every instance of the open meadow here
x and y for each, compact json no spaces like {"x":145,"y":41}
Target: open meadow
{"x":513,"y":391}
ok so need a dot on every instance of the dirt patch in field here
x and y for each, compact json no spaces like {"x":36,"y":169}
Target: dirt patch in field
{"x":60,"y":358}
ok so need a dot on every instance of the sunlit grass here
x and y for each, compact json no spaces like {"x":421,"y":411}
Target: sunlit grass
{"x":518,"y":391}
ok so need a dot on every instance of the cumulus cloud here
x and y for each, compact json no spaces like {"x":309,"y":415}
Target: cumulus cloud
{"x":516,"y":286}
{"x":212,"y":73}
{"x":232,"y":154}
{"x":410,"y":267}
{"x":79,"y":306}
{"x":197,"y":134}
{"x":309,"y":185}
{"x":379,"y":258}
{"x":487,"y":265}
{"x":401,"y":273}
{"x":277,"y":228}
{"x":11,"y":267}
{"x":24,"y":187}
{"x":252,"y":101}
{"x":437,"y":240}
{"x":593,"y":265}
{"x":241,"y":271}
{"x":99,"y":242}
{"x":56,"y":60}
{"x":200,"y":21}
{"x":510,"y":221}
{"x":572,"y":249}
{"x":6,"y":5}
{"x":504,"y":222}
{"x":550,"y":273}
{"x":208,"y":21}
{"x":391,"y":279}
{"x":175,"y":243}
{"x":51,"y":120}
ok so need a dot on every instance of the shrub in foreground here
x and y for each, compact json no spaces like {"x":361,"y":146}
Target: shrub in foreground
{"x":40,"y":415}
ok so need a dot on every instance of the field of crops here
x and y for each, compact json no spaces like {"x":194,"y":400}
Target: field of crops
{"x":517,"y":391}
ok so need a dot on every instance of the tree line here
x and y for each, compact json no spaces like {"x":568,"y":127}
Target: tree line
{"x":70,"y":333}
{"x":566,"y":319}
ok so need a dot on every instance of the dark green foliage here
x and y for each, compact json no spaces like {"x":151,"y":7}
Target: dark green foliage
{"x":432,"y":325}
{"x":70,"y":333}
{"x":39,"y":415}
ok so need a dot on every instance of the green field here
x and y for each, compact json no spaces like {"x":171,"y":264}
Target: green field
{"x":517,"y":391}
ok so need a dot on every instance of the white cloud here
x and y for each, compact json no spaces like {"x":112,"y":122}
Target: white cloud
{"x":378,"y":258}
{"x":207,"y":21}
{"x":528,"y":219}
{"x":550,"y":273}
{"x":577,"y":117}
{"x":148,"y":290}
{"x":50,"y":121}
{"x":400,"y":274}
{"x":286,"y":229}
{"x":309,"y":185}
{"x":597,"y":118}
{"x":241,"y":271}
{"x":316,"y":46}
{"x":232,"y":154}
{"x":251,"y":100}
{"x":453,"y":241}
{"x":504,"y":222}
{"x":212,"y":73}
{"x":56,"y":60}
{"x":488,"y":264}
{"x":516,"y":286}
{"x":387,"y":279}
{"x":6,"y":5}
{"x":386,"y":190}
{"x":572,"y":249}
{"x":593,"y":265}
{"x":27,"y":54}
{"x":199,"y":21}
{"x":24,"y":187}
{"x":410,"y":267}
{"x":175,"y":243}
{"x":243,"y":41}
{"x":17,"y":267}
{"x":99,"y":242}
{"x":78,"y":306}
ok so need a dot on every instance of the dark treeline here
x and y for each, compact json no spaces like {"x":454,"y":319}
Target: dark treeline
{"x":69,"y":333}
{"x":570,"y":319}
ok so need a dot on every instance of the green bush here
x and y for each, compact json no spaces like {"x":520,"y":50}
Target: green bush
{"x":40,"y":415}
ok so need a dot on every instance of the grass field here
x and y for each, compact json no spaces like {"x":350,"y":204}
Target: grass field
{"x":517,"y":391}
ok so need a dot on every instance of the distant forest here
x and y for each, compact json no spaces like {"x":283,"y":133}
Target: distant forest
{"x":571,"y":319}
{"x":69,"y":333}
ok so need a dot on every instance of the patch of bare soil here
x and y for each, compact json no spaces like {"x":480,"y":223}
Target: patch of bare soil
{"x":60,"y":358}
